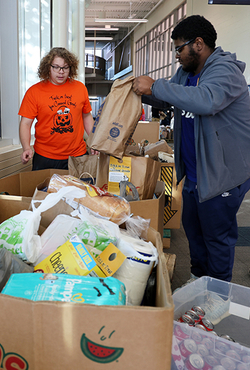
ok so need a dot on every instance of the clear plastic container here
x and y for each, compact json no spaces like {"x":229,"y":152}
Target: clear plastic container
{"x":227,"y":306}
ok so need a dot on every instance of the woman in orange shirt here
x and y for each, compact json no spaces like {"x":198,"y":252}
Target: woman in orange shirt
{"x":61,"y":106}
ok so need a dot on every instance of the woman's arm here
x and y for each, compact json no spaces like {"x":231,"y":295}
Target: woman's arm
{"x":25,"y":136}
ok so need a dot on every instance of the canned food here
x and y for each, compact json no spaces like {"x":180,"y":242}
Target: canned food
{"x":202,"y":350}
{"x":242,"y":367}
{"x":246,"y":359}
{"x":227,"y":337}
{"x":210,"y":362}
{"x":233,"y":354}
{"x":218,"y":367}
{"x":194,"y":315}
{"x":214,"y":333}
{"x":182,"y":331}
{"x":200,"y":326}
{"x":209,"y":343}
{"x":216,"y":354}
{"x":207,"y":324}
{"x":187,"y":319}
{"x":228,"y":363}
{"x":194,"y":362}
{"x":221,"y":346}
{"x":199,"y":311}
{"x":187,"y":347}
{"x":196,"y":336}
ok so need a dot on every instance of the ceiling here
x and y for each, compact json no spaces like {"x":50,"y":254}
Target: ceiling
{"x":135,"y":9}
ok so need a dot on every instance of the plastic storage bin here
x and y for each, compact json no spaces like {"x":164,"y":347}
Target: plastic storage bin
{"x":227,"y":306}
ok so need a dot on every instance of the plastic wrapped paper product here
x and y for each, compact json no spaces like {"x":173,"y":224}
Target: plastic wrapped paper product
{"x":96,"y":233}
{"x":102,"y":203}
{"x":134,"y":272}
{"x":66,"y":288}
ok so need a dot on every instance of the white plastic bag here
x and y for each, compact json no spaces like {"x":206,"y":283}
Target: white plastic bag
{"x":19,"y":234}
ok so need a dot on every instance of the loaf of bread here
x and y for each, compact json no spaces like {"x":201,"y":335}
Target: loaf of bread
{"x":115,"y":208}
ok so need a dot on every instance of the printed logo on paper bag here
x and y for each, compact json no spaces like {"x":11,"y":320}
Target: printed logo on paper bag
{"x":167,"y":177}
{"x":10,"y":361}
{"x":114,"y":132}
{"x":99,"y":353}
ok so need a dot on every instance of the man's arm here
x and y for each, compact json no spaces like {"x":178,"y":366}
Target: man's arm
{"x":25,"y":136}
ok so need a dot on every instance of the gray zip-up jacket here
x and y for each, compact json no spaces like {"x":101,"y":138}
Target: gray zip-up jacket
{"x":221,"y":107}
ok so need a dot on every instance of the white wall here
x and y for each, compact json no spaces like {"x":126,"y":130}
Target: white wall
{"x":230,"y":21}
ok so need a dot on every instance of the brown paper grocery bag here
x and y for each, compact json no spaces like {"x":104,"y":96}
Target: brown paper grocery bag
{"x":84,"y":167}
{"x":116,"y":120}
{"x":144,"y":174}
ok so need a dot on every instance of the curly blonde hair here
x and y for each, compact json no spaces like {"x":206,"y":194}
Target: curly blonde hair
{"x":69,"y":58}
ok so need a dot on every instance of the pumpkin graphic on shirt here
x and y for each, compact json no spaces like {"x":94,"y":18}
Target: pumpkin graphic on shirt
{"x":62,"y":121}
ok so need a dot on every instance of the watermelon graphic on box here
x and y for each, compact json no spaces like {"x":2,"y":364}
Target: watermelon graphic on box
{"x":99,"y":353}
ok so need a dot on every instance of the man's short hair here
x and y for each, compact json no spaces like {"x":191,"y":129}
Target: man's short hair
{"x":195,"y":26}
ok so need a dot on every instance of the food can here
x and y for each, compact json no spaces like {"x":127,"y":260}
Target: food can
{"x":227,"y":337}
{"x":187,"y":319}
{"x":221,"y":346}
{"x":218,"y":367}
{"x":214,"y":333}
{"x":187,"y":347}
{"x":200,"y":326}
{"x":242,"y":366}
{"x":210,"y":362}
{"x":233,"y":354}
{"x":196,"y":336}
{"x":182,"y":331}
{"x":228,"y":363}
{"x":207,"y":324}
{"x":209,"y":343}
{"x":194,"y":315}
{"x":199,"y":311}
{"x":194,"y":362}
{"x":216,"y":354}
{"x":202,"y":350}
{"x":245,"y":359}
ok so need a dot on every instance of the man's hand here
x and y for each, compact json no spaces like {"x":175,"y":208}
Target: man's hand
{"x":142,"y":84}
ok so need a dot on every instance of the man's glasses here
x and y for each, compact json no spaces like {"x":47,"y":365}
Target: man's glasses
{"x":57,"y":68}
{"x":179,"y":49}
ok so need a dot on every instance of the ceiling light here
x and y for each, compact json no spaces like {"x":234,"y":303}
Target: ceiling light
{"x":97,"y":38}
{"x":120,"y":20}
{"x":101,"y":29}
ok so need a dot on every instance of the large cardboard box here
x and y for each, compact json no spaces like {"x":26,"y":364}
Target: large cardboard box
{"x":146,"y":130}
{"x":25,"y":183}
{"x":61,"y":335}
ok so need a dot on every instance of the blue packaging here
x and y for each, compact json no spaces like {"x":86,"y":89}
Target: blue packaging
{"x":66,"y":288}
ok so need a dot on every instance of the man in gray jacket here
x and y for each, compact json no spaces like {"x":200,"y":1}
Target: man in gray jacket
{"x":211,"y":142}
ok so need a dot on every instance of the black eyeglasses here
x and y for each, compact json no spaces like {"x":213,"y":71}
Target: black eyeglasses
{"x":178,"y":49}
{"x":57,"y":68}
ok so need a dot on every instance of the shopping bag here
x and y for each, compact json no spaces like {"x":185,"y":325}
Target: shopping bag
{"x":116,"y":120}
{"x":144,"y":174}
{"x":84,"y":167}
{"x":19,"y":234}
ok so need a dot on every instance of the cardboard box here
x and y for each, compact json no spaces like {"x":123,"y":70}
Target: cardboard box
{"x":152,"y":209}
{"x":61,"y":335}
{"x":227,"y":306}
{"x":173,"y":196}
{"x":25,"y":183}
{"x":146,"y":130}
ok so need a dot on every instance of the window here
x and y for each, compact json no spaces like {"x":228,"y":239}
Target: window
{"x":154,"y":54}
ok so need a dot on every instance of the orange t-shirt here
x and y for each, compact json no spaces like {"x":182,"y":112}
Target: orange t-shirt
{"x":58,"y":109}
